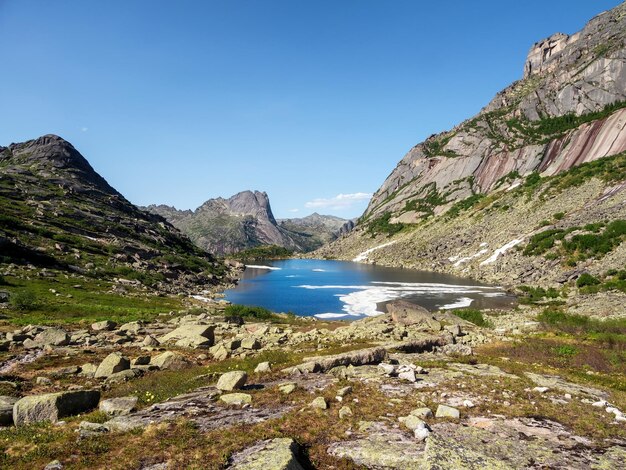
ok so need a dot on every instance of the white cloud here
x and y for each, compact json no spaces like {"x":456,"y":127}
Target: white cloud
{"x":293,"y":210}
{"x":84,"y":129}
{"x":339,"y":202}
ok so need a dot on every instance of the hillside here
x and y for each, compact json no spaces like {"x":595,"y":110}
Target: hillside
{"x":58,"y":213}
{"x":543,"y":161}
{"x":245,"y":221}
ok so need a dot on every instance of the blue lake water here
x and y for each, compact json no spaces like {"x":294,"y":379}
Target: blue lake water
{"x":343,"y":289}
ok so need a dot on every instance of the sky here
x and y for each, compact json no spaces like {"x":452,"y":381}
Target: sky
{"x":314,"y":102}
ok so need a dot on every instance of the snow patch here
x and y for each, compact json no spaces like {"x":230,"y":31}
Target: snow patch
{"x":460,"y":303}
{"x":469,"y":258}
{"x":257,"y":266}
{"x":331,"y":315}
{"x":500,"y":251}
{"x":363,"y":256}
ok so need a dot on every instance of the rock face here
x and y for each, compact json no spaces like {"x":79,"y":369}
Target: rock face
{"x":472,"y":183}
{"x":53,"y":406}
{"x":48,"y":179}
{"x":563,"y":74}
{"x":244,"y":221}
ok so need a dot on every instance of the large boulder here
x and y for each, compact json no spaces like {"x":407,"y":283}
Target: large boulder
{"x":274,"y":454}
{"x":48,"y":337}
{"x":6,"y":410}
{"x":408,"y":314}
{"x":170,"y":360}
{"x":114,"y":362}
{"x":355,"y":358}
{"x":232,"y":380}
{"x":191,"y":336}
{"x":53,"y":406}
{"x":106,"y":325}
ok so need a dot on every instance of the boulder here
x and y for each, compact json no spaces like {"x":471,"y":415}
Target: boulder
{"x":354,"y":358}
{"x":118,"y":406}
{"x":445,"y":411}
{"x":123,"y":376}
{"x":345,"y":412}
{"x":53,"y":406}
{"x":106,"y":325}
{"x":219,"y":352}
{"x":236,"y":398}
{"x":131,"y":328}
{"x":232,"y":380}
{"x":263,"y":367}
{"x":48,"y":337}
{"x":408,"y":314}
{"x":191,"y":336}
{"x":88,"y":369}
{"x":111,"y":364}
{"x":6,"y":410}
{"x":274,"y":454}
{"x":250,"y":343}
{"x":422,"y":413}
{"x":319,"y":403}
{"x":287,"y":388}
{"x":150,"y":340}
{"x":170,"y":360}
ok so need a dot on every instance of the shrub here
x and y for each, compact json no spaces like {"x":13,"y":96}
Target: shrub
{"x":236,"y":310}
{"x":24,"y":300}
{"x":587,"y":279}
{"x":473,"y":316}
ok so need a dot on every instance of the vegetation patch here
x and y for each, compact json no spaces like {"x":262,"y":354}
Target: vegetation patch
{"x":473,"y":316}
{"x":381,"y":225}
{"x":263,"y":252}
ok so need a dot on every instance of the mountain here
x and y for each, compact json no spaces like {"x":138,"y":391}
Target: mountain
{"x":315,"y":230}
{"x":57,"y":212}
{"x":245,"y":221}
{"x":543,"y":159}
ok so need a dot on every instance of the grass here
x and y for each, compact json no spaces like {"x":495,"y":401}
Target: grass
{"x":92,"y":301}
{"x":381,"y":225}
{"x":263,"y":252}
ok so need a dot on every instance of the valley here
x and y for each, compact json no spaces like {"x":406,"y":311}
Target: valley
{"x":473,"y":317}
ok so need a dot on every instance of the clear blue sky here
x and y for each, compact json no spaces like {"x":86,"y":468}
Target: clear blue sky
{"x":176,"y":102}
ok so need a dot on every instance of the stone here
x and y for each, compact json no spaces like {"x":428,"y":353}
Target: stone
{"x":106,"y":325}
{"x":457,"y":350}
{"x":53,"y":406}
{"x":191,"y":336}
{"x":250,"y":343}
{"x":118,"y":406}
{"x":54,"y":465}
{"x":408,"y":375}
{"x":422,"y":413}
{"x":51,"y":337}
{"x":131,"y":328}
{"x":6,"y":409}
{"x":232,"y":380}
{"x":114,"y":362}
{"x":232,"y":344}
{"x":344,"y":412}
{"x":123,"y":375}
{"x":272,"y":454}
{"x":445,"y":411}
{"x":150,"y":340}
{"x":170,"y":360}
{"x":89,"y":429}
{"x":43,"y":381}
{"x":219,"y":352}
{"x":319,"y":403}
{"x":287,"y":388}
{"x":88,"y":369}
{"x":408,"y":314}
{"x":236,"y":398}
{"x":354,"y":358}
{"x":263,"y":367}
{"x":342,"y":392}
{"x":412,"y":422}
{"x":421,"y":433}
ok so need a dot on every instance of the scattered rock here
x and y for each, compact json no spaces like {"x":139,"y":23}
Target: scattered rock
{"x":52,"y":406}
{"x":236,"y":398}
{"x":319,"y":403}
{"x":287,"y":388}
{"x":250,"y":343}
{"x":191,"y":336}
{"x":263,"y":367}
{"x":54,"y":465}
{"x":422,"y":413}
{"x":408,"y":314}
{"x":170,"y":361}
{"x":114,"y":362}
{"x":118,"y":406}
{"x":274,"y":454}
{"x":89,"y":429}
{"x":232,"y":380}
{"x":106,"y":325}
{"x":445,"y":411}
{"x":344,"y":412}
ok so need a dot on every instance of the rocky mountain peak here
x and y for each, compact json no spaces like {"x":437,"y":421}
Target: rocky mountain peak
{"x":54,"y":157}
{"x":255,"y":203}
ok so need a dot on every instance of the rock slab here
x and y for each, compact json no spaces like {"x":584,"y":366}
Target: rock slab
{"x":53,"y":406}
